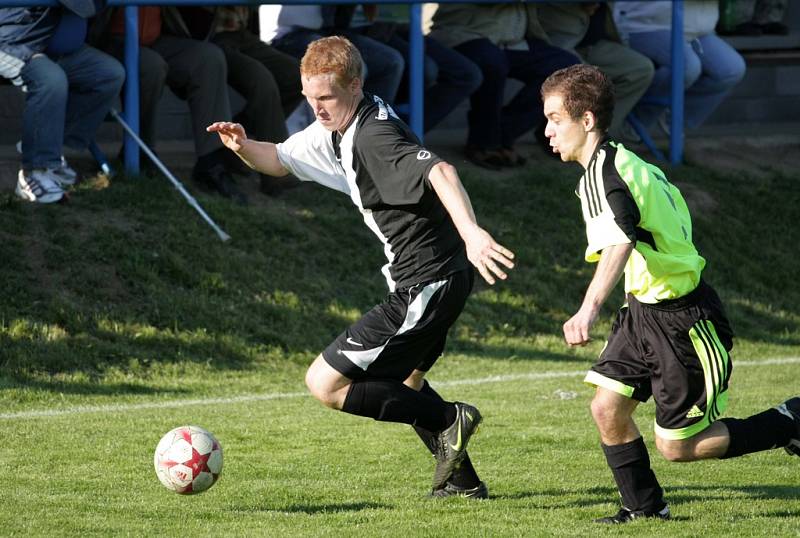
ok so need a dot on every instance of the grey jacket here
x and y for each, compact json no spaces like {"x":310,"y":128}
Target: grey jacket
{"x":505,"y":25}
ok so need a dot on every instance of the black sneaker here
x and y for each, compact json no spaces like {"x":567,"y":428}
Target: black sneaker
{"x":791,"y":408}
{"x":452,"y":445}
{"x":218,"y":179}
{"x":626,"y":516}
{"x":449,"y":490}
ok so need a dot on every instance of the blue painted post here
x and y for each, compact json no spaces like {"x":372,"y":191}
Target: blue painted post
{"x":676,"y":123}
{"x":416,"y":70}
{"x":131,"y":87}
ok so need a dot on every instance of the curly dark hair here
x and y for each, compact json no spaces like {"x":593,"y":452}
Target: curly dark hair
{"x":583,"y":88}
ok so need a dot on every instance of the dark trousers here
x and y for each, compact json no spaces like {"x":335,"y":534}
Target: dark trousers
{"x":450,"y":77}
{"x":492,"y":125}
{"x":195,"y":71}
{"x":269,"y":81}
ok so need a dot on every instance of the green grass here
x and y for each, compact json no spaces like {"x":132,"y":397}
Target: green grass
{"x":123,"y":306}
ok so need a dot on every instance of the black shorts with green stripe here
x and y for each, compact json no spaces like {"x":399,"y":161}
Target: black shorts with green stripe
{"x":678,"y":351}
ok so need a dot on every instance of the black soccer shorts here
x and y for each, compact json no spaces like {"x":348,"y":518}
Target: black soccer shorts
{"x":407,"y":331}
{"x":678,"y":352}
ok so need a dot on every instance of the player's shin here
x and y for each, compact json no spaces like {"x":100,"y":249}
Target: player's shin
{"x":464,"y":475}
{"x":637,"y":484}
{"x":764,"y":431}
{"x":388,"y":400}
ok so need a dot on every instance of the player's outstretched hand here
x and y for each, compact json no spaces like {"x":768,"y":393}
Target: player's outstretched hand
{"x":488,"y":255}
{"x":231,"y":134}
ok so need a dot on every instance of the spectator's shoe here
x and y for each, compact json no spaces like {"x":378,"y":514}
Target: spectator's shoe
{"x":38,"y":186}
{"x":449,"y":490}
{"x":485,"y":158}
{"x":452,"y":445}
{"x":626,"y":516}
{"x":218,"y":179}
{"x":64,"y":175}
{"x":511,"y":158}
{"x":273,"y":186}
{"x":791,"y":408}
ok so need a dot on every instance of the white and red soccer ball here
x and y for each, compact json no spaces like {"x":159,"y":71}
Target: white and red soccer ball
{"x":188,"y":460}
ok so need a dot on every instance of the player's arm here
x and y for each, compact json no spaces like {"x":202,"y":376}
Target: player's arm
{"x":482,"y":250}
{"x":260,"y":156}
{"x":609,"y":269}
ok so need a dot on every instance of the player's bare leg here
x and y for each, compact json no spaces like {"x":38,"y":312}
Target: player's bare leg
{"x":626,"y":455}
{"x":326,"y":384}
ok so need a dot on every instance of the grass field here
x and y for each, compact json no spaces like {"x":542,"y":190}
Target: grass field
{"x":122,"y":316}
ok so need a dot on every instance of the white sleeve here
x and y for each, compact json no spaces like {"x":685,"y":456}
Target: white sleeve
{"x":309,"y":155}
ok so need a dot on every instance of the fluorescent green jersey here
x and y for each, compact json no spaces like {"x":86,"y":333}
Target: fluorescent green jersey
{"x":626,"y":200}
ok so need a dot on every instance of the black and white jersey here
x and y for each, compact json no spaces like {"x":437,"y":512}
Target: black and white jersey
{"x":381,"y":164}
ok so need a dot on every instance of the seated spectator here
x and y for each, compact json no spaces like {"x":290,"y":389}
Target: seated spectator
{"x":588,"y":30}
{"x":194,"y":70}
{"x":268,"y":79}
{"x":69,"y":88}
{"x":449,"y":77}
{"x":753,"y":17}
{"x":712,"y":67}
{"x":291,"y":28}
{"x":506,"y":41}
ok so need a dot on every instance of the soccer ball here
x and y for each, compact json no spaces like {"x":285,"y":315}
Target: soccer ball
{"x":188,"y":460}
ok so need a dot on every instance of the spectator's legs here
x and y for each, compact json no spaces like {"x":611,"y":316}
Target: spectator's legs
{"x":284,"y":68}
{"x":722,"y":69}
{"x":198,"y":73}
{"x":295,"y":42}
{"x":384,"y":66}
{"x":449,"y":78}
{"x":487,"y":101}
{"x":630,"y":72}
{"x":95,"y":79}
{"x":656,"y":46}
{"x":262,"y":115}
{"x":44,"y":114}
{"x":532,"y":67}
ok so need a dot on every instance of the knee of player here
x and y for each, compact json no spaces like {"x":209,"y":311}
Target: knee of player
{"x":676,"y":450}
{"x":603,"y":412}
{"x":318,"y":386}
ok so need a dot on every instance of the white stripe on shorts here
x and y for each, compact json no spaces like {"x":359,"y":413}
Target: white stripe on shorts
{"x":363,"y":359}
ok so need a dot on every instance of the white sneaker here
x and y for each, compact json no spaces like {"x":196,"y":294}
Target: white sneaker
{"x":38,"y":186}
{"x":65,"y":175}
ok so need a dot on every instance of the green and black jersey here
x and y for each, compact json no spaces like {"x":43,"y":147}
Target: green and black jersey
{"x":626,"y":200}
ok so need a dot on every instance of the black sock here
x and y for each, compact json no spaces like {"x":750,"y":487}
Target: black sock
{"x":630,"y":465}
{"x":464,"y":476}
{"x":766,"y":430}
{"x":388,"y":400}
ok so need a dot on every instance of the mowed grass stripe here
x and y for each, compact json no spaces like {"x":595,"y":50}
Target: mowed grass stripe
{"x":532,"y":376}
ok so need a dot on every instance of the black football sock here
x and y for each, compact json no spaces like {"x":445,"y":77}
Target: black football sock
{"x":388,"y":400}
{"x":766,"y":430}
{"x":464,"y":476}
{"x":637,"y":484}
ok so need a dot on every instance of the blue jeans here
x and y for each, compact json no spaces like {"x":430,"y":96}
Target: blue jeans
{"x":67,"y":99}
{"x":492,"y":125}
{"x":449,"y":76}
{"x":712,"y":69}
{"x":383,"y":66}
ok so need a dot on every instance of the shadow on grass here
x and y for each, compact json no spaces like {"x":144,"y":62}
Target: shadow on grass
{"x":328,"y":508}
{"x":676,"y":496}
{"x":85,"y":387}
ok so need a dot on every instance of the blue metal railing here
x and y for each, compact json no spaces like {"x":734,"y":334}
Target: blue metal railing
{"x":415,"y":61}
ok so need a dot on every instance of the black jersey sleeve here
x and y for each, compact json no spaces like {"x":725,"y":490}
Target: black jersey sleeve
{"x":395,"y":160}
